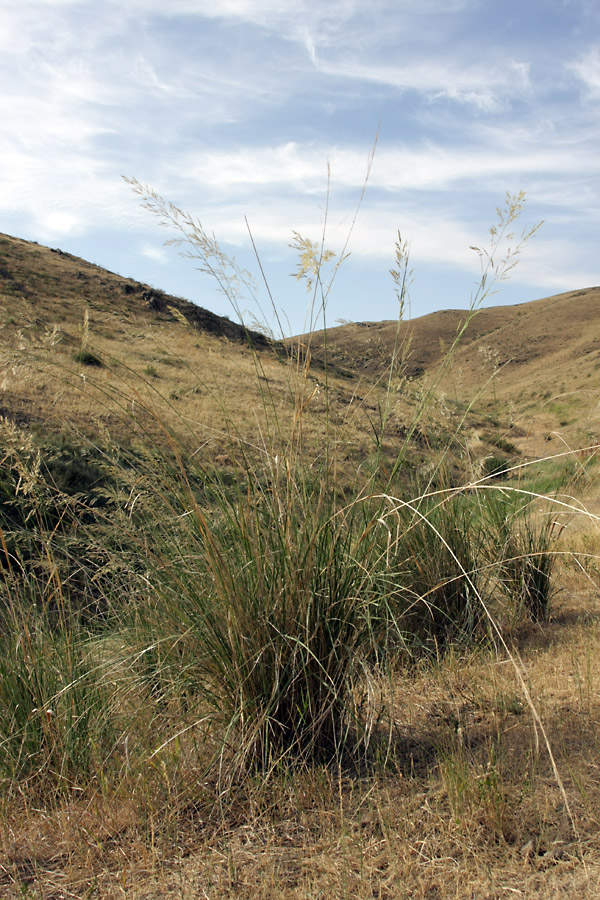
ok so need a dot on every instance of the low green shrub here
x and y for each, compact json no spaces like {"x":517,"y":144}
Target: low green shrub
{"x":495,"y":466}
{"x":502,"y":444}
{"x":87,"y":358}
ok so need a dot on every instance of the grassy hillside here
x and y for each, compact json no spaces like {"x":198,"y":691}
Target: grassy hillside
{"x":528,"y":373}
{"x":87,"y":351}
{"x":560,"y":330}
{"x":275,"y":625}
{"x":535,"y":366}
{"x":54,"y":306}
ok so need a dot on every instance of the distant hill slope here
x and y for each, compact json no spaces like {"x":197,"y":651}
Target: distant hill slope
{"x":564,"y":327}
{"x":534,"y":366}
{"x":60,"y":285}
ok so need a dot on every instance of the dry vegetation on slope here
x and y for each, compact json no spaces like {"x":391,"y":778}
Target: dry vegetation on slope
{"x":196,"y":371}
{"x":561,"y":331}
{"x":456,"y":794}
{"x":530,"y":372}
{"x":55,"y":306}
{"x":536,"y":365}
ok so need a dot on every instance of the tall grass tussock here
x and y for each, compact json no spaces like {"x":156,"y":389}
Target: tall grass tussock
{"x":287,"y":593}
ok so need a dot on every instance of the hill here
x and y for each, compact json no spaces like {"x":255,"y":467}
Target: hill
{"x":67,"y":324}
{"x":87,"y":350}
{"x":528,"y":374}
{"x":56,"y":286}
{"x":535,"y":366}
{"x":561,"y":330}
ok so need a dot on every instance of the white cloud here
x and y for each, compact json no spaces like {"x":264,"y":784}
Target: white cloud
{"x":234,"y":109}
{"x":156,"y":254}
{"x":343,"y":40}
{"x":486,"y":86}
{"x":587,"y":70}
{"x":58,"y":223}
{"x":302,"y":168}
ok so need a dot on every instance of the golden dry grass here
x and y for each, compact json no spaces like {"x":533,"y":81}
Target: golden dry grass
{"x":51,"y":304}
{"x":165,"y":361}
{"x":536,"y":365}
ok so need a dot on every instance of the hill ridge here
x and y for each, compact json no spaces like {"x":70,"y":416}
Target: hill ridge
{"x":31,"y":260}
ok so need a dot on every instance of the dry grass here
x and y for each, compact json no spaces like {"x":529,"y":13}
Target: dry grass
{"x":200,"y":378}
{"x":508,"y":352}
{"x":466,"y":806}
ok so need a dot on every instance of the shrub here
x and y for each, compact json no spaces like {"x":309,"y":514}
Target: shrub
{"x":501,"y":443}
{"x":496,"y":466}
{"x":87,"y":358}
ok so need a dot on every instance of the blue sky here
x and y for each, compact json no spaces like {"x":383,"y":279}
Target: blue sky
{"x":235,"y":108}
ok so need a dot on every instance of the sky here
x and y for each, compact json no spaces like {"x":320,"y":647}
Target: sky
{"x":356,"y":119}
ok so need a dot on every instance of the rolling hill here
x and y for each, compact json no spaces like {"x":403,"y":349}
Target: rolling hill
{"x":535,"y":365}
{"x":528,"y":374}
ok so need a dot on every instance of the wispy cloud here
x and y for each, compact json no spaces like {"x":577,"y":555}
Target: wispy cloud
{"x":155,"y":253}
{"x":396,"y":167}
{"x":587,"y":70}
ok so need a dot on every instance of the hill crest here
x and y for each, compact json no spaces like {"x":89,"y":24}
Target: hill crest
{"x":24,"y":265}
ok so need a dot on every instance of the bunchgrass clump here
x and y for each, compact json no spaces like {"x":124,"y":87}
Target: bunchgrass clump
{"x":438,"y":555}
{"x":57,"y":722}
{"x":522,"y":540}
{"x":274,"y":602}
{"x":280,"y":596}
